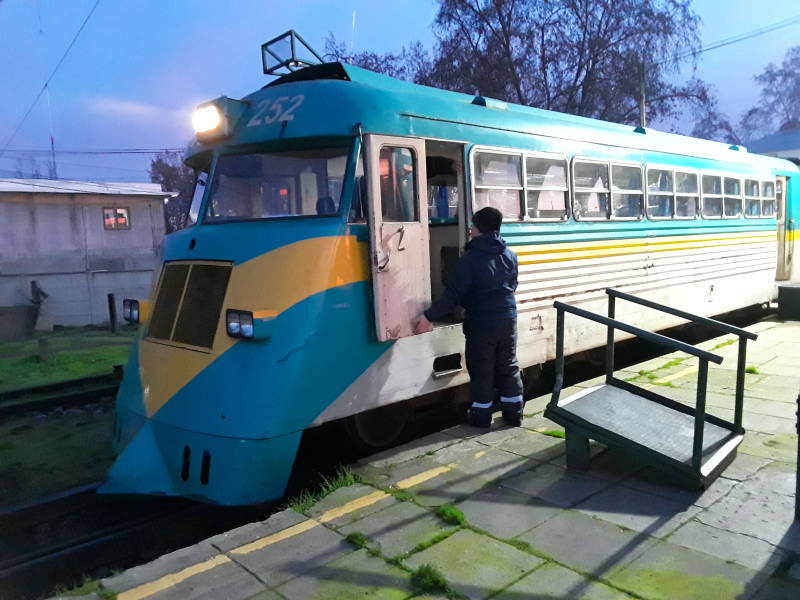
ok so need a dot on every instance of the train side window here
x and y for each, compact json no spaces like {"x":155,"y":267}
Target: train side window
{"x":445,"y":171}
{"x":358,"y":208}
{"x":712,"y":197}
{"x":732,"y":206}
{"x":546,"y":188}
{"x":626,"y":192}
{"x":752,"y":198}
{"x":687,"y":199}
{"x":498,"y":182}
{"x":591,"y":182}
{"x":398,"y":184}
{"x":768,"y":199}
{"x":660,"y":194}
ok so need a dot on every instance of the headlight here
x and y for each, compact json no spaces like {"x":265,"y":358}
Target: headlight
{"x":206,"y":118}
{"x":233,"y":323}
{"x":130,"y":310}
{"x":246,"y":320}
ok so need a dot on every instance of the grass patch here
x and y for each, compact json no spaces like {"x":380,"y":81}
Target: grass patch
{"x":4,"y":445}
{"x":648,"y":374}
{"x":401,"y":495}
{"x":664,"y":383}
{"x":439,"y":537}
{"x":752,"y":370}
{"x":450,"y":514}
{"x":723,"y":344}
{"x":356,"y":539}
{"x":427,"y":579}
{"x":87,"y":586}
{"x":556,"y":433}
{"x":74,"y":353}
{"x":303,"y":501}
{"x":520,"y":545}
{"x":673,"y":363}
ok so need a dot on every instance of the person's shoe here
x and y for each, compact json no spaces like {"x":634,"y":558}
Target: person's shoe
{"x":512,"y":410}
{"x":480,"y":416}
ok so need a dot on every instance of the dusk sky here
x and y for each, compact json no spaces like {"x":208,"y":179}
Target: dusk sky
{"x":140,"y":66}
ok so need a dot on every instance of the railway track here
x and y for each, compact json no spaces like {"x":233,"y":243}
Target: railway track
{"x":74,"y":392}
{"x":60,"y":539}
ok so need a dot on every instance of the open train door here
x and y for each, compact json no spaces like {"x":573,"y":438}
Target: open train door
{"x":398,"y":226}
{"x":784,"y":244}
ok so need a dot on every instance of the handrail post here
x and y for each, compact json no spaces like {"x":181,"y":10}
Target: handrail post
{"x":700,"y":415}
{"x":610,"y":340}
{"x":559,"y":356}
{"x":740,"y":365}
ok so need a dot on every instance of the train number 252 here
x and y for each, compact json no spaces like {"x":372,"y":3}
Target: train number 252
{"x":280,"y":109}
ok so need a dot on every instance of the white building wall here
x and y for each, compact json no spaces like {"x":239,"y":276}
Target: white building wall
{"x":59,"y":241}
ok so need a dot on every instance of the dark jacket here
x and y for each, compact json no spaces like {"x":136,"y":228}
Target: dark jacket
{"x":483,"y":283}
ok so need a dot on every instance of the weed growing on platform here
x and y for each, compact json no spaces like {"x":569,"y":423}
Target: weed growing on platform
{"x":87,"y":586}
{"x":450,"y":514}
{"x":401,"y":495}
{"x":520,"y":545}
{"x":673,"y":363}
{"x":303,"y":501}
{"x":357,"y":539}
{"x":752,"y":370}
{"x":556,"y":433}
{"x":428,"y":579}
{"x":723,"y":344}
{"x":439,"y":537}
{"x":4,"y":445}
{"x":648,"y":374}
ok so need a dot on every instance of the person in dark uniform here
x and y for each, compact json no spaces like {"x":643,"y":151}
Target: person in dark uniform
{"x":483,"y":284}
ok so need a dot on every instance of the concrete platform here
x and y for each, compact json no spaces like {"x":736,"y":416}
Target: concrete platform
{"x":531,"y":529}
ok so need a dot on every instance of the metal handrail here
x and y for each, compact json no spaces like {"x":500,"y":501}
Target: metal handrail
{"x":684,"y":315}
{"x":612,"y":324}
{"x":743,"y":334}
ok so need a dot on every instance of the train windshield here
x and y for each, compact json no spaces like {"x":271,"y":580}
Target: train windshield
{"x":298,"y":183}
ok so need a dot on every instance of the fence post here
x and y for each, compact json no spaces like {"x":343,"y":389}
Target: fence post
{"x":112,"y":314}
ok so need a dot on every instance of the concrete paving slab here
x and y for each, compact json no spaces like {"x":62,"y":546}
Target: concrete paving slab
{"x":742,"y":549}
{"x":476,"y":565}
{"x":609,"y":464}
{"x":267,"y":595}
{"x":556,"y":486}
{"x":586,"y":544}
{"x":653,"y":481}
{"x":492,"y":464}
{"x":447,"y":488}
{"x":534,"y":446}
{"x":253,"y":531}
{"x":744,"y":465}
{"x":347,"y":494}
{"x":386,"y":476}
{"x":647,"y":513}
{"x":761,"y":514}
{"x":497,"y":435}
{"x":669,"y":572}
{"x":553,"y":581}
{"x":778,"y":477}
{"x":288,"y":558}
{"x":506,"y":513}
{"x":411,"y":450}
{"x":398,"y":529}
{"x":541,"y":423}
{"x":779,"y":446}
{"x":162,"y":566}
{"x":228,"y":580}
{"x":356,"y":575}
{"x":534,"y":406}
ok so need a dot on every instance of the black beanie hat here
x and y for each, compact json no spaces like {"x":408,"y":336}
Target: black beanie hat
{"x":487,"y":219}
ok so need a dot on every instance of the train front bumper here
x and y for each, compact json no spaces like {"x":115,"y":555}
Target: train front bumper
{"x":165,"y":460}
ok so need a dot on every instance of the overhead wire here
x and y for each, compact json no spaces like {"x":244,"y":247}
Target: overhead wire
{"x":47,"y":81}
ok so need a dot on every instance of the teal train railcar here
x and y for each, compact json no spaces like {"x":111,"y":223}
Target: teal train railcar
{"x":330,"y":205}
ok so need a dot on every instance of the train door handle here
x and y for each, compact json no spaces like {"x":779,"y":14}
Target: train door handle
{"x":402,"y":232}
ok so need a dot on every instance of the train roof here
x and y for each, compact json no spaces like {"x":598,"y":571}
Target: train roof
{"x":344,"y":96}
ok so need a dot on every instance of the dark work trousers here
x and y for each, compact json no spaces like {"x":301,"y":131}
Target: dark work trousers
{"x":491,"y":352}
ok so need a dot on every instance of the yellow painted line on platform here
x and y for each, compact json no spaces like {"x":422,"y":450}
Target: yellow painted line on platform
{"x":479,"y":454}
{"x":283,"y":534}
{"x":153,"y":587}
{"x":352,"y":506}
{"x":668,"y":378}
{"x":159,"y":585}
{"x":404,"y":484}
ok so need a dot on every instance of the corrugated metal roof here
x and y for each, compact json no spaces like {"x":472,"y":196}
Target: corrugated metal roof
{"x":777,"y":142}
{"x":66,"y":186}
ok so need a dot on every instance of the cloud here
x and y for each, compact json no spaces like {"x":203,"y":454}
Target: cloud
{"x":122,"y":107}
